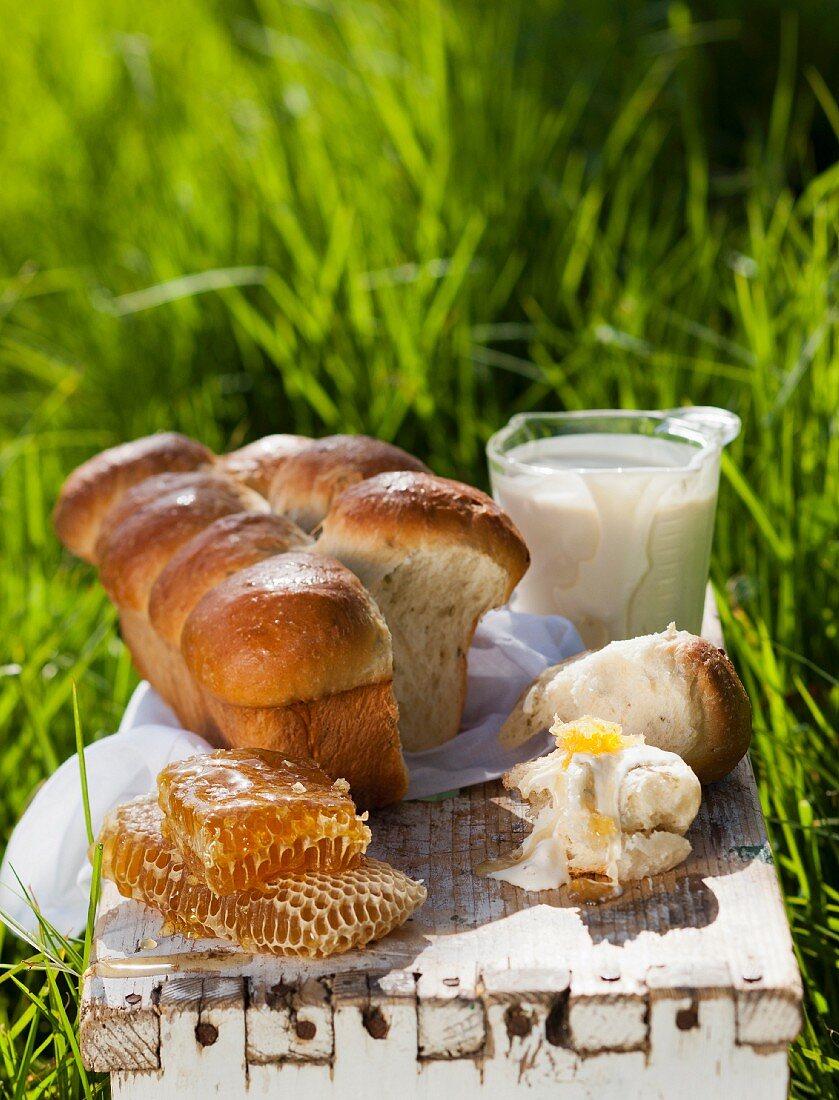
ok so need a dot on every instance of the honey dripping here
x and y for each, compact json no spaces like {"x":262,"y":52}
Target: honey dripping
{"x":183,"y":962}
{"x":242,"y":818}
{"x":311,"y":914}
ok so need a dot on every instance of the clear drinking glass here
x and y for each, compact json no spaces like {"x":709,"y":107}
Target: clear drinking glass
{"x":617,"y":509}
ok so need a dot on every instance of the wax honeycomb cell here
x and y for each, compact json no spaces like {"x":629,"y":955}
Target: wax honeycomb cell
{"x":311,"y":915}
{"x":242,"y":817}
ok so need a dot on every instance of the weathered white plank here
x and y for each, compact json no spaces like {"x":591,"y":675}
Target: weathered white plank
{"x":375,"y":1022}
{"x":527,"y":1029}
{"x":290,"y":1022}
{"x":486,"y":987}
{"x":119,"y":1024}
{"x":451,"y":1019}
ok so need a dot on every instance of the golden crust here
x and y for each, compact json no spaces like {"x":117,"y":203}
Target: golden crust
{"x":352,"y":735}
{"x":153,"y":520}
{"x":407,"y":509}
{"x":292,"y":628}
{"x":257,"y":463}
{"x":305,"y":485}
{"x":718,"y":693}
{"x":92,"y":488}
{"x":229,"y":544}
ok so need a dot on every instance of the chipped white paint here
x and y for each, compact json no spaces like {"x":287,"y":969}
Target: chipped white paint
{"x":450,"y":1011}
{"x":686,"y":986}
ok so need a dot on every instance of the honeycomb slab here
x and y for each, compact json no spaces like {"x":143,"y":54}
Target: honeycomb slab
{"x":242,"y":818}
{"x":311,"y":915}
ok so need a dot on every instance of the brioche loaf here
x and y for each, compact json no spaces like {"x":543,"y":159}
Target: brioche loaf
{"x":256,"y":642}
{"x":296,"y":657}
{"x":169,"y":539}
{"x":676,"y":689}
{"x":306,"y":484}
{"x":436,"y":555}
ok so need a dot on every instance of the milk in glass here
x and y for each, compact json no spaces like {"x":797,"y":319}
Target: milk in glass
{"x":619,"y":527}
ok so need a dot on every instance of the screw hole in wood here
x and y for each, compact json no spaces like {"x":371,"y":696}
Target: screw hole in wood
{"x":305,"y":1029}
{"x":206,"y":1034}
{"x":687,"y":1018}
{"x":556,"y":1026}
{"x":375,"y":1022}
{"x":518,"y":1022}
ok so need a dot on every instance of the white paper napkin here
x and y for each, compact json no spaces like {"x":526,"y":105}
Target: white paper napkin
{"x":48,"y":848}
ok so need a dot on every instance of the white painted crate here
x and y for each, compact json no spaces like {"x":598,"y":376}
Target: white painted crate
{"x":686,"y":986}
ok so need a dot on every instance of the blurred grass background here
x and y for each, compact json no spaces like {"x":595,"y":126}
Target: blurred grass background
{"x":413,"y":219}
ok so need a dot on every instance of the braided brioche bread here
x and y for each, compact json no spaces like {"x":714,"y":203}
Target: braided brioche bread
{"x":259,"y":637}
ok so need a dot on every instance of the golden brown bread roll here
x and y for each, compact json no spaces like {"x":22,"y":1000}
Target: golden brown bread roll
{"x":292,"y":627}
{"x":293,"y":654}
{"x":154,"y":519}
{"x":226,"y":546}
{"x":436,"y":555}
{"x":146,"y":526}
{"x":92,"y":488}
{"x":257,"y":463}
{"x":305,"y":485}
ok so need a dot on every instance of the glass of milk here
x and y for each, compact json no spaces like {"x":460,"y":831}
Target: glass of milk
{"x":617,"y":509}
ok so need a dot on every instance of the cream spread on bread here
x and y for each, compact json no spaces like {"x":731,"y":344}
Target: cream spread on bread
{"x":609,"y":809}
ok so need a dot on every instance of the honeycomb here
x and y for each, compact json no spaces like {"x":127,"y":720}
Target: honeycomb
{"x":242,"y":817}
{"x":311,"y":915}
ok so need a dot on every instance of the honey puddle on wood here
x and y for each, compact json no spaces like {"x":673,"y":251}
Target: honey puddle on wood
{"x":185,"y":962}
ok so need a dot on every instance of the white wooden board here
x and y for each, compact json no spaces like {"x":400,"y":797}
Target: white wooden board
{"x":685,"y":986}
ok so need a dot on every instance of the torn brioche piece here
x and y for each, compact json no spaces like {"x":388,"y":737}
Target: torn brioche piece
{"x":678,"y":690}
{"x":436,"y":555}
{"x":608,"y":810}
{"x":312,"y":915}
{"x":242,"y":818}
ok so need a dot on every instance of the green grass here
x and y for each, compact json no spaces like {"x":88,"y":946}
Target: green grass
{"x":414,"y":219}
